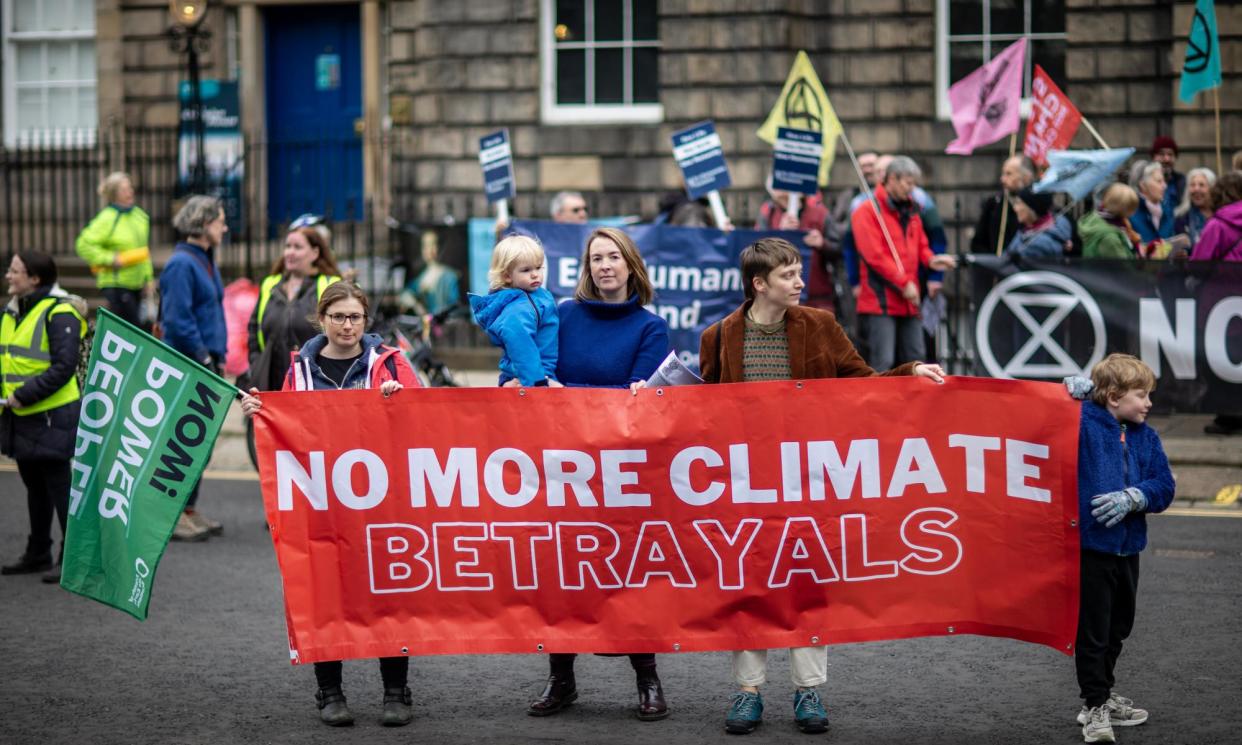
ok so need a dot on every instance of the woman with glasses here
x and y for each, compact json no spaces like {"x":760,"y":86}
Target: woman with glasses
{"x":345,"y":356}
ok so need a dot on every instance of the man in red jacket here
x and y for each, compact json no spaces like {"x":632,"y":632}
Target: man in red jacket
{"x":889,"y":273}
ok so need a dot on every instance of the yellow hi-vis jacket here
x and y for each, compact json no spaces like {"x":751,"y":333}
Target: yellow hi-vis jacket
{"x":24,"y":354}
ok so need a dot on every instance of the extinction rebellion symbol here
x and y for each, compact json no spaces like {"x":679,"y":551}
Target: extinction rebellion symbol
{"x":802,"y":107}
{"x":1051,"y":290}
{"x":1199,"y":52}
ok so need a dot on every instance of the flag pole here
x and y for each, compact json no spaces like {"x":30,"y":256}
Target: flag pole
{"x":879,"y":216}
{"x":1000,"y":238}
{"x":1094,"y":133}
{"x":1216,"y":101}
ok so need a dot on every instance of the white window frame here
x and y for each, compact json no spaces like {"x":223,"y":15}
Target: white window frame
{"x":43,"y":137}
{"x":943,"y":110}
{"x":556,"y":113}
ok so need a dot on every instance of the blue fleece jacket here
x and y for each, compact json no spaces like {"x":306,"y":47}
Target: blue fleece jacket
{"x":1044,"y":245}
{"x":1109,"y":463}
{"x":609,"y":345}
{"x":192,"y":304}
{"x":1143,"y":224}
{"x":523,"y":324}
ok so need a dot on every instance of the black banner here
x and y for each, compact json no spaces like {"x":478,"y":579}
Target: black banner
{"x":1046,"y":320}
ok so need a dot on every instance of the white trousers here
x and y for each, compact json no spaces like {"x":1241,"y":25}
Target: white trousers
{"x":808,"y":666}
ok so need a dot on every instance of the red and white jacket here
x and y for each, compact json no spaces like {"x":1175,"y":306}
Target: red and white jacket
{"x":881,"y":277}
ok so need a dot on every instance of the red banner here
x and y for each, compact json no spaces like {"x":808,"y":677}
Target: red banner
{"x":1054,"y":119}
{"x":685,"y":519}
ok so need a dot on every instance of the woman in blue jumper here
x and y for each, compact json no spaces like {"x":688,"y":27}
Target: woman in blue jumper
{"x":608,"y":340}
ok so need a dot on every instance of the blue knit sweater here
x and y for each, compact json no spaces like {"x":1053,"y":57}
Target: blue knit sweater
{"x":1106,"y":463}
{"x":609,"y":345}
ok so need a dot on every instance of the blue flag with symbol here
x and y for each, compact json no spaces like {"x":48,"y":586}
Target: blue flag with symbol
{"x":1076,"y":172}
{"x":1201,"y":68}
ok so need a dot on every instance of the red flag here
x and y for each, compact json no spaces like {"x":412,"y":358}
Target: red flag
{"x":698,"y":518}
{"x":1054,"y":119}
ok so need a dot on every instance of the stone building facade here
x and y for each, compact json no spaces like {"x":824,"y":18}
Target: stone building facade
{"x":435,"y":75}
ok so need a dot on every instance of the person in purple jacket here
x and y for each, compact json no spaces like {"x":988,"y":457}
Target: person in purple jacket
{"x":1221,"y":239}
{"x":1123,"y":474}
{"x":608,"y":340}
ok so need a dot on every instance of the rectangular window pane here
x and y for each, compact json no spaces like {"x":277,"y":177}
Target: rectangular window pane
{"x":965,"y":17}
{"x":646,"y":20}
{"x":86,"y":60}
{"x":30,"y":65}
{"x":1007,"y":16}
{"x":84,"y":14}
{"x":26,"y":15}
{"x":1048,"y":16}
{"x":609,"y":76}
{"x":62,"y":104}
{"x":88,"y":115}
{"x":964,"y":57}
{"x":60,"y":64}
{"x":646,"y":75}
{"x":58,"y":15}
{"x":30,"y":109}
{"x":1050,"y":55}
{"x":609,"y":20}
{"x":570,"y":76}
{"x":570,"y":21}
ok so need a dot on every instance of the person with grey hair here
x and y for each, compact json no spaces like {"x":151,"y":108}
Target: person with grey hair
{"x":1017,"y":173}
{"x":1154,"y":219}
{"x":892,"y":246}
{"x":1192,"y":214}
{"x":114,"y":245}
{"x":192,"y":315}
{"x":569,"y":206}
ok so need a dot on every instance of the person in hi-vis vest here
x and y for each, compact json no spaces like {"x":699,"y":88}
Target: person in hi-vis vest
{"x":40,"y":340}
{"x":114,"y":244}
{"x":283,"y":319}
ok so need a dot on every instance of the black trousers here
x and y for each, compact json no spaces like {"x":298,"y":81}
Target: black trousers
{"x":47,"y":491}
{"x":563,"y":664}
{"x":1108,"y":588}
{"x":393,"y":670}
{"x":125,"y":303}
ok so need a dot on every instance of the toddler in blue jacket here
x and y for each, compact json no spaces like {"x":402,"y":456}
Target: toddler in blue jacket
{"x":1123,"y":474}
{"x":519,"y":314}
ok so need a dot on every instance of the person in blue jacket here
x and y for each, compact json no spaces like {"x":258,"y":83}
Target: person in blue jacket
{"x":1043,"y":235}
{"x":519,"y":314}
{"x":192,"y":316}
{"x":608,"y":340}
{"x":1123,"y":474}
{"x":1154,"y":219}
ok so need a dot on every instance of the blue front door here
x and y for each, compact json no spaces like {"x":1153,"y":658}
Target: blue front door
{"x":314,"y":96}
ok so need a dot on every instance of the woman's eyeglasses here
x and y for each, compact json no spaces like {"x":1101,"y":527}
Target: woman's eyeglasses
{"x":339,"y":319}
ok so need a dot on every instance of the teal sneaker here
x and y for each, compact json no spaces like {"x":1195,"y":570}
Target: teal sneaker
{"x":809,"y":712}
{"x":745,"y":714}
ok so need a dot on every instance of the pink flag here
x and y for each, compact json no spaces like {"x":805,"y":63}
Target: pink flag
{"x":985,"y":103}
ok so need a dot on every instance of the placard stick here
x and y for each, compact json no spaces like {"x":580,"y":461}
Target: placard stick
{"x":1094,"y":133}
{"x":1000,"y":238}
{"x":718,"y":210}
{"x":1216,"y":102}
{"x":879,"y":216}
{"x":502,"y":211}
{"x":792,"y":209}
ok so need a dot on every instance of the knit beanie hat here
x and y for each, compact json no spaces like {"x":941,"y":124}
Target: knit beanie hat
{"x":1164,"y":142}
{"x":1040,"y":204}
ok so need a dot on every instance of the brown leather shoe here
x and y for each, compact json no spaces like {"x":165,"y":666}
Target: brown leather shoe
{"x":651,"y":703}
{"x":560,"y":692}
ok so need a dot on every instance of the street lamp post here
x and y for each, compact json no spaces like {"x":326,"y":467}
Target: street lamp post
{"x":187,"y":36}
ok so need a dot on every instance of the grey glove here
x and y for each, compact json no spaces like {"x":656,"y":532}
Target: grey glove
{"x":1112,"y":507}
{"x":1078,"y":386}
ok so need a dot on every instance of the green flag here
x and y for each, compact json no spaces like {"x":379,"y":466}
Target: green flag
{"x":149,"y":419}
{"x":1201,"y":70}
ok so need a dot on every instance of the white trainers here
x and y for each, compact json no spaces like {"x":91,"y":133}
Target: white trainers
{"x":1121,"y":712}
{"x":1098,"y":728}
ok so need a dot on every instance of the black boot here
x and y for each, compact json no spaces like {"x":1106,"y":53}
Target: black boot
{"x":561,"y":691}
{"x":332,"y":708}
{"x":397,"y":711}
{"x":29,"y":564}
{"x":651,"y":703}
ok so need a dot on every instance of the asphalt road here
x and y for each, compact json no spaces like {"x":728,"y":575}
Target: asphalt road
{"x":211,"y":664}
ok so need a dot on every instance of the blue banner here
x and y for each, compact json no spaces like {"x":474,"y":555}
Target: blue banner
{"x":496,"y":159}
{"x":795,"y":160}
{"x":1201,"y":68}
{"x":700,"y":156}
{"x":1077,"y":172}
{"x":695,"y":271}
